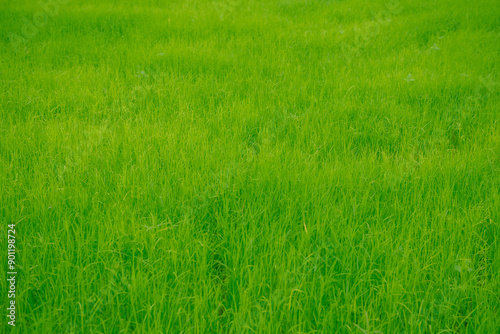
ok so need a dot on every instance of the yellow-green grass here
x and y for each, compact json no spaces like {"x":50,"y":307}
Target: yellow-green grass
{"x":251,"y":167}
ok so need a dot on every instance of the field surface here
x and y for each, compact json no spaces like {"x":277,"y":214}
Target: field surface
{"x":240,"y":166}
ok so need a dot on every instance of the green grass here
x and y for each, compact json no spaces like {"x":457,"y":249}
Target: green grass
{"x":269,"y":167}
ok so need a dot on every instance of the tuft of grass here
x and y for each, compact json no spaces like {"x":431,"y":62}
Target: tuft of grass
{"x":286,"y":167}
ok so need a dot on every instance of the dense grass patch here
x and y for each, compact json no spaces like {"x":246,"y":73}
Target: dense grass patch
{"x":266,"y":166}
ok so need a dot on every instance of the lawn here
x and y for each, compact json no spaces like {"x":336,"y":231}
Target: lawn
{"x":284,"y":166}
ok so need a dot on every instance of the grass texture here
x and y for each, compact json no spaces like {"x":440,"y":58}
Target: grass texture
{"x":289,"y":166}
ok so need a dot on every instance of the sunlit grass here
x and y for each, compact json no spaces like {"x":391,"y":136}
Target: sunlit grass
{"x":296,"y":166}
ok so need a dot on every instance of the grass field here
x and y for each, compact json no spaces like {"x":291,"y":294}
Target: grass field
{"x":289,"y":166}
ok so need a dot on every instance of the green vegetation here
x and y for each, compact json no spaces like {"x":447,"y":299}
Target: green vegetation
{"x":251,"y":167}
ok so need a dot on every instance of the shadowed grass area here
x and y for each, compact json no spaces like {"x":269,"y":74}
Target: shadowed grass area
{"x":259,"y":167}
